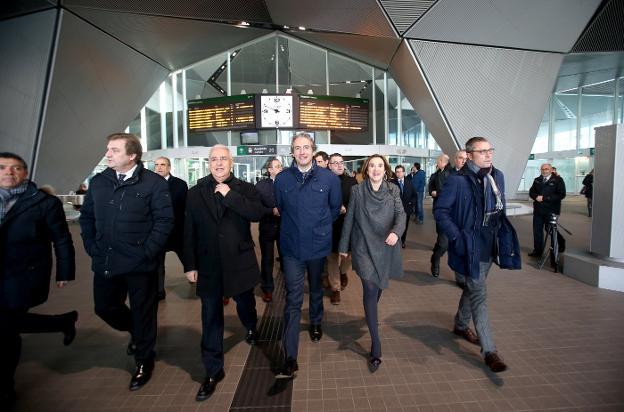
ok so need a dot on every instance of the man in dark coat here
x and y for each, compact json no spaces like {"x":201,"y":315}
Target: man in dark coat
{"x":30,"y":220}
{"x":408,"y":197}
{"x":268,"y":229}
{"x":219,"y":255}
{"x":436,"y":184}
{"x":126,"y":219}
{"x":309,"y":199}
{"x":177,"y":189}
{"x":471,"y":212}
{"x":418,"y":182}
{"x":547,"y":192}
{"x":337,"y":278}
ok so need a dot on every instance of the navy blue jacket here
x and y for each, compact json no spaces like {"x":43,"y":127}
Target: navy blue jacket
{"x":418,"y":181}
{"x":307,"y":210}
{"x":125,"y":226}
{"x":34,"y":222}
{"x":553,"y":191}
{"x":269,"y":224}
{"x":408,"y":196}
{"x":177,"y":189}
{"x":459,"y":213}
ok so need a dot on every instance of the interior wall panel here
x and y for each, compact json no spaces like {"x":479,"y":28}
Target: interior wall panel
{"x":552,"y":25}
{"x":25,"y":45}
{"x":606,"y":32}
{"x":495,"y":93}
{"x":403,"y":13}
{"x":173,"y":42}
{"x":346,"y":16}
{"x":94,"y":92}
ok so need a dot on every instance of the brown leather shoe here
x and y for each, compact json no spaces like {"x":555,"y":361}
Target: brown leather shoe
{"x":267,"y":297}
{"x":335,"y":297}
{"x":495,"y":362}
{"x":344,"y":281}
{"x":467,"y":334}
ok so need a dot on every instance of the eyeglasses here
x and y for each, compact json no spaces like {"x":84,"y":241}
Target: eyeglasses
{"x":337,"y":163}
{"x":222,"y":158}
{"x":300,"y":148}
{"x":484,"y":151}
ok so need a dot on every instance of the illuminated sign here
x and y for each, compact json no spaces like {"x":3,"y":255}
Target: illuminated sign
{"x":222,"y":113}
{"x":333,"y":113}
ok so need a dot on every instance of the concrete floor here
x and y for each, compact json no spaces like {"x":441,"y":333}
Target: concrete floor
{"x":561,"y":339}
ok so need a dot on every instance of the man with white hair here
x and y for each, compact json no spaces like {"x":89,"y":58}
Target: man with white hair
{"x":219,"y":256}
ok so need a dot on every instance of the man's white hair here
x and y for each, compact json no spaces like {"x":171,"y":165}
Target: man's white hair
{"x":220,"y":146}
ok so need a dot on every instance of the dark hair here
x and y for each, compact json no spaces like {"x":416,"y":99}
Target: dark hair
{"x":417,"y":166}
{"x":9,"y":155}
{"x":472,"y":141}
{"x":268,"y":164}
{"x":333,"y":155}
{"x":305,"y":136}
{"x":397,"y":167}
{"x":388,"y":170}
{"x":133,"y":144}
{"x":323,"y":154}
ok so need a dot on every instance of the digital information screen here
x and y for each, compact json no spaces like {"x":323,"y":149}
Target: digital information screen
{"x":222,"y":113}
{"x":333,"y":113}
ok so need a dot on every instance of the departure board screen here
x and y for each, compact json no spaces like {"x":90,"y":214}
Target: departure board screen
{"x":222,"y":113}
{"x":333,"y":113}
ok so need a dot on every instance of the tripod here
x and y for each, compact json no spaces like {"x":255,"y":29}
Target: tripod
{"x":552,"y":232}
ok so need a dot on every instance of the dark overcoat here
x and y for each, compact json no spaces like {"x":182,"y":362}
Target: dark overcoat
{"x":34,"y":222}
{"x":553,"y":191}
{"x":220,"y":247}
{"x":178,"y":189}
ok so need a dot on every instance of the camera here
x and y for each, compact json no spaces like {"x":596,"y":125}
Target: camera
{"x":552,"y":219}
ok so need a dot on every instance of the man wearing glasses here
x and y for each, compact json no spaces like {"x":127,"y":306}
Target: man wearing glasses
{"x":547,"y":191}
{"x":471,"y":212}
{"x":219,"y":256}
{"x":308,"y":198}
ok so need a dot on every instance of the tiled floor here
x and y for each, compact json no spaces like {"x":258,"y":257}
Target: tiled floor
{"x":563,"y":342}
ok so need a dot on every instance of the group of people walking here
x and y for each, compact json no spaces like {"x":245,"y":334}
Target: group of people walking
{"x":132,"y":216}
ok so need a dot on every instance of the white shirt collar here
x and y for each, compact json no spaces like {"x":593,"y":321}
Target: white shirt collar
{"x":128,"y":174}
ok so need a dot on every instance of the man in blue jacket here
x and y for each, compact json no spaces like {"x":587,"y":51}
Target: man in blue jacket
{"x":125,"y":220}
{"x":471,"y":211}
{"x":309,"y":199}
{"x":418,"y":183}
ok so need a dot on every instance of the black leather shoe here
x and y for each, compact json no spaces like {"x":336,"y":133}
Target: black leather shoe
{"x":131,"y":349}
{"x":535,"y":253}
{"x":251,"y":337}
{"x":316,"y":333}
{"x":142,"y":375}
{"x":208,"y":387}
{"x":289,"y":370}
{"x":69,"y":334}
{"x":435,"y":269}
{"x":373,"y":364}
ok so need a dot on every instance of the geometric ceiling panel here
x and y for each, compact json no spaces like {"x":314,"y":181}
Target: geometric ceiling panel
{"x":502,"y":96}
{"x":98,"y":85}
{"x":376,"y":51}
{"x":606,"y":31}
{"x":251,"y":11}
{"x":589,"y":68}
{"x":13,"y":8}
{"x":552,"y":25}
{"x":346,"y":16}
{"x":173,"y":42}
{"x":404,"y":13}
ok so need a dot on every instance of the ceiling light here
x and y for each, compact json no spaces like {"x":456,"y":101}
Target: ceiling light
{"x":310,"y":91}
{"x":244,"y":23}
{"x":287,"y":27}
{"x":302,"y":28}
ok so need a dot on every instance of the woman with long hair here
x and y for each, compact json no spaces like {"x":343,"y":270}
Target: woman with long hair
{"x":374,"y":222}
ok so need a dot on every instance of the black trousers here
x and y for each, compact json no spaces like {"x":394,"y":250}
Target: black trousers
{"x":404,"y":235}
{"x":139,"y":319}
{"x":161,"y":269}
{"x":440,"y":247}
{"x":267,"y":251}
{"x":213,"y":325}
{"x":539,"y":223}
{"x":14,"y":322}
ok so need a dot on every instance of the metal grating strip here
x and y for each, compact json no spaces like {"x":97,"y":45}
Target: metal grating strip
{"x":258,"y":390}
{"x":404,"y":13}
{"x":606,"y":32}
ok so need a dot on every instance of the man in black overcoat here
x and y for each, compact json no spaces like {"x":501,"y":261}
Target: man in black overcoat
{"x":30,"y":221}
{"x":178,"y":189}
{"x":219,"y":255}
{"x":408,"y":197}
{"x":547,"y":191}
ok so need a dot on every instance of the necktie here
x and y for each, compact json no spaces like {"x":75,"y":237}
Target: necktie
{"x":401,"y":185}
{"x":121,"y":178}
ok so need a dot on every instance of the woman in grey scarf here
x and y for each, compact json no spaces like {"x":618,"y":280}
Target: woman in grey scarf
{"x":374,"y":221}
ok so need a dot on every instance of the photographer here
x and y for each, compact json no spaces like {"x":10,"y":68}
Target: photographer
{"x":547,"y":192}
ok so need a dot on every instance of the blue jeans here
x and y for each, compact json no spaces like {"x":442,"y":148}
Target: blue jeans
{"x":294,"y":274}
{"x":473,"y":304}
{"x":418,"y":207}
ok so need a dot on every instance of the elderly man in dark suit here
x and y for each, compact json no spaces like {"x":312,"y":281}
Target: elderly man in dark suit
{"x":408,"y":197}
{"x":178,"y":189}
{"x":219,"y":255}
{"x":30,"y":221}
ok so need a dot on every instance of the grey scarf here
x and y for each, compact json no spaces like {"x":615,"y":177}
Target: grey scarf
{"x":9,"y":195}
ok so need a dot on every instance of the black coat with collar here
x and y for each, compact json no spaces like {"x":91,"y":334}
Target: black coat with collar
{"x":553,"y":190}
{"x":408,"y":197}
{"x":34,"y":222}
{"x":178,"y":189}
{"x":221,"y":248}
{"x":125,"y":226}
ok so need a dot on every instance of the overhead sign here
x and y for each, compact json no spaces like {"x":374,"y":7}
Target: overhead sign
{"x":333,"y":113}
{"x":261,"y":150}
{"x":222,"y":113}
